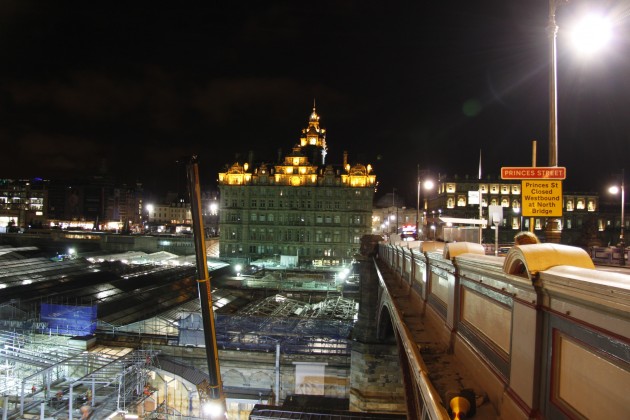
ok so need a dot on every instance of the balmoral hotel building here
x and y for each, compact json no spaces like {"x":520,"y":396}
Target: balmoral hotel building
{"x":309,"y":210}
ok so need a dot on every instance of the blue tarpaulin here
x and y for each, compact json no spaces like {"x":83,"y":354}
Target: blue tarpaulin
{"x":68,"y":319}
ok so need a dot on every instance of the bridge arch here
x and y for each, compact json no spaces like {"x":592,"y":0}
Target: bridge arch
{"x":385,"y":331}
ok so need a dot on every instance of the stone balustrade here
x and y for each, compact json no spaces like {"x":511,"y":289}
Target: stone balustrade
{"x":544,"y":331}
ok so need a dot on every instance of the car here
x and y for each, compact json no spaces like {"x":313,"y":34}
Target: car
{"x":503,"y":251}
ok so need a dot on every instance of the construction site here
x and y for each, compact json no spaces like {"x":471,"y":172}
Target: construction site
{"x":121,"y":335}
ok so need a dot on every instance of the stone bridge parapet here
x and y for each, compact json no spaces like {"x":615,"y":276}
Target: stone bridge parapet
{"x":540,"y":333}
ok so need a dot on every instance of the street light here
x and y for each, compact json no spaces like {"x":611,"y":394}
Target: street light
{"x":622,"y":242}
{"x":427,"y":185}
{"x":393,"y":216}
{"x":584,"y":31}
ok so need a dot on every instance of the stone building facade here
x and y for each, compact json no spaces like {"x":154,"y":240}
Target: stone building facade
{"x":299,"y":207}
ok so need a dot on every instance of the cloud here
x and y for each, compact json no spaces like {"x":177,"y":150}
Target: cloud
{"x":221,"y":100}
{"x":39,"y":154}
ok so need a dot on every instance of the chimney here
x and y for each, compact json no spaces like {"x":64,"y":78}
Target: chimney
{"x":345,"y":159}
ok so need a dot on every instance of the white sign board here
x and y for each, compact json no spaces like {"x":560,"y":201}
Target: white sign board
{"x":496,"y":214}
{"x":473,"y":197}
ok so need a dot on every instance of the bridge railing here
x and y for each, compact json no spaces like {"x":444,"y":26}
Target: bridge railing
{"x":542,"y":329}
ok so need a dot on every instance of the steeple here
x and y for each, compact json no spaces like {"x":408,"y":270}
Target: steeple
{"x":314,"y":117}
{"x":314,"y":135}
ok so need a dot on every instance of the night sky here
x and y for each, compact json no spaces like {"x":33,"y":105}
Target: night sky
{"x":129,"y":88}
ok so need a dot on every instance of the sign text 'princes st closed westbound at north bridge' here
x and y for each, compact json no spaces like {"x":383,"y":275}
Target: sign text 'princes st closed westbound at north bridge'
{"x":542,"y":198}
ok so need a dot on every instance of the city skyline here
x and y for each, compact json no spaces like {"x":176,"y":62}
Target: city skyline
{"x":88,"y":89}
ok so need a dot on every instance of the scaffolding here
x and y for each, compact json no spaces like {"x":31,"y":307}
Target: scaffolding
{"x":299,"y":327}
{"x":44,"y":373}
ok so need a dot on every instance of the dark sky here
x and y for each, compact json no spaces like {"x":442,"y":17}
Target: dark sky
{"x":131,"y":87}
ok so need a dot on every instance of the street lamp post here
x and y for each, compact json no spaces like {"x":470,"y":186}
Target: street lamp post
{"x":427,"y":184}
{"x":622,"y":241}
{"x":552,"y":30}
{"x":596,"y":38}
{"x":592,"y":34}
{"x":396,"y":209}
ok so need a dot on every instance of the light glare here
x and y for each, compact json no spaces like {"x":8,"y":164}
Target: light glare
{"x":213,"y":409}
{"x":592,"y":33}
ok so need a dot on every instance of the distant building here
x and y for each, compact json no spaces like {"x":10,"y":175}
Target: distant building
{"x":308,"y":209}
{"x":390,"y":216}
{"x":97,"y":202}
{"x":89,"y":203}
{"x":456,"y":197}
{"x":23,"y":203}
{"x":174,"y":213}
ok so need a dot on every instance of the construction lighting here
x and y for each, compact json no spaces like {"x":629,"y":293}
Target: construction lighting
{"x":213,"y":409}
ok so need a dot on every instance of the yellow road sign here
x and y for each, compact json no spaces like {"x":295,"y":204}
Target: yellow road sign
{"x":542,"y":198}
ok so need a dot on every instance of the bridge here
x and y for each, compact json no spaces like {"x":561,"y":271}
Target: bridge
{"x":540,"y":333}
